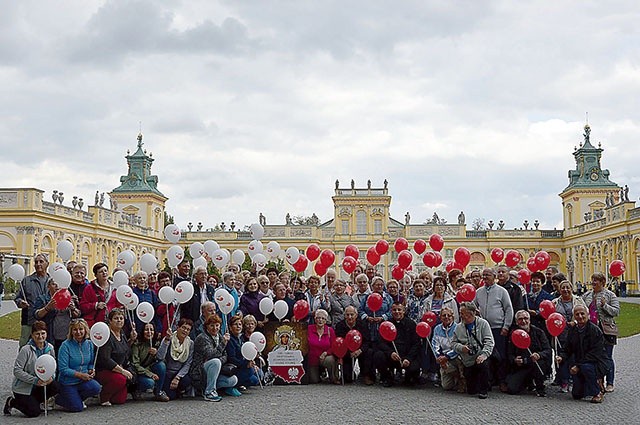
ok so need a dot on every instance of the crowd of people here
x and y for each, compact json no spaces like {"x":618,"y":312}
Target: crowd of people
{"x":192,"y":350}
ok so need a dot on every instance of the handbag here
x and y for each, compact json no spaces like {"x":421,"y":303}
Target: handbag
{"x":228,"y":369}
{"x":609,"y":328}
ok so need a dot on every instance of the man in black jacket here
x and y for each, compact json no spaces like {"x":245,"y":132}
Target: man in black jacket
{"x":515,"y":293}
{"x":363,"y":354}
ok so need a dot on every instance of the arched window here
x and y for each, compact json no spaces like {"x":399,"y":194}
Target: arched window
{"x":361,"y":223}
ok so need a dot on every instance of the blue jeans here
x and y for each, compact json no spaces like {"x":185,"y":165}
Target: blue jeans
{"x":214,"y":379}
{"x":612,"y":370}
{"x":145,"y":382}
{"x":71,"y":396}
{"x":585,"y":382}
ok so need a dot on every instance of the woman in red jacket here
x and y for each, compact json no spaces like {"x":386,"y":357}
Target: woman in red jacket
{"x":96,"y":295}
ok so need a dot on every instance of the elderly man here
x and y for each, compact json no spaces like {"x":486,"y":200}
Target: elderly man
{"x":403,"y":354}
{"x":32,"y":287}
{"x":585,"y":352}
{"x":370,"y":272}
{"x":182,"y":272}
{"x":515,"y":293}
{"x":362,"y":291}
{"x":473,"y":341}
{"x":201,"y":293}
{"x":495,"y":306}
{"x":451,"y":367}
{"x":363,"y":354}
{"x":528,"y":365}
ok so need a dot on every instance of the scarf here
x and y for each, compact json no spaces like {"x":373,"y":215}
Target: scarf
{"x":179,"y":352}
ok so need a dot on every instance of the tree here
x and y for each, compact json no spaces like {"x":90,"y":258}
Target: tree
{"x":478,"y":224}
{"x":168,"y":219}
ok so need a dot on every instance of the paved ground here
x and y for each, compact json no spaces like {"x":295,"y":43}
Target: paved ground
{"x":359,"y":404}
{"x":7,"y":307}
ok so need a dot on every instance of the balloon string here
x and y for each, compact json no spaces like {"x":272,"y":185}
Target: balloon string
{"x":395,"y":348}
{"x":539,"y":368}
{"x":95,"y":360}
{"x":46,"y":402}
{"x":353,"y":369}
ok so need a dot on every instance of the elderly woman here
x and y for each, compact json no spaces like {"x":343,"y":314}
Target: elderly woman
{"x":112,"y":364}
{"x":229,"y":283}
{"x":96,"y":295}
{"x":320,"y":338}
{"x":339,"y":301}
{"x":165,"y":312}
{"x":439,"y":299}
{"x":250,"y":301}
{"x":564,"y":305}
{"x":451,"y":367}
{"x":374,"y":318}
{"x":208,"y":357}
{"x":145,"y":294}
{"x":177,"y":352}
{"x":604,"y":307}
{"x":316,"y":298}
{"x":150,"y":369}
{"x":416,"y":302}
{"x":280,"y":293}
{"x":585,"y":353}
{"x":393,"y":289}
{"x":245,"y":369}
{"x":28,"y":389}
{"x":56,"y":319}
{"x":76,"y":382}
{"x":535,"y":298}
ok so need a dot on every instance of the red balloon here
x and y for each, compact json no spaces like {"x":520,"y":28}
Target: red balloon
{"x":388,"y":331}
{"x":532,"y":264}
{"x":313,"y":252}
{"x":382,"y":247}
{"x":372,"y":256}
{"x":547,"y":308}
{"x":616,"y":268}
{"x":497,"y":254}
{"x":423,"y":330}
{"x":430,"y":318}
{"x":352,"y":251}
{"x":374,"y":301}
{"x":327,"y":258}
{"x":524,"y":276}
{"x":462,"y":256}
{"x":397,"y":273}
{"x":521,"y":339}
{"x":339,"y":347}
{"x":349,"y":264}
{"x":319,"y":269}
{"x":404,"y":259}
{"x":466,"y":293}
{"x":300,"y":309}
{"x":556,"y":324}
{"x":512,"y":258}
{"x":453,"y":265}
{"x":436,"y":242}
{"x":419,"y":246}
{"x":400,"y":245}
{"x":438,"y":259}
{"x":301,"y":264}
{"x":542,"y":260}
{"x":62,"y":299}
{"x":429,"y":259}
{"x":353,"y":340}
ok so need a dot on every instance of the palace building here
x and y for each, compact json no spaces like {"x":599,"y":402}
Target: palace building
{"x":600,"y":224}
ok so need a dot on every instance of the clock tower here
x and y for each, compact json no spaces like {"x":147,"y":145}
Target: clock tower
{"x":589,"y":191}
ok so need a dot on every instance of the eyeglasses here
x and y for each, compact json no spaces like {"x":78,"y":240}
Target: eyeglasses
{"x":446,"y":315}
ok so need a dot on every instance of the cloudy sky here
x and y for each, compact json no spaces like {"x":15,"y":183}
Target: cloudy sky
{"x":259,"y":106}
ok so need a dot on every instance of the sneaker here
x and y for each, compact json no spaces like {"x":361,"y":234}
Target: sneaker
{"x":212,"y":396}
{"x":7,"y":406}
{"x":84,"y":405}
{"x":483,"y":396}
{"x":243,"y":389}
{"x":161,"y":396}
{"x":609,"y":388}
{"x":564,"y":388}
{"x":233,"y":392}
{"x":106,"y":404}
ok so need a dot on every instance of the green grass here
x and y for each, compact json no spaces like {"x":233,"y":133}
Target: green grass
{"x":629,"y":319}
{"x":10,"y":326}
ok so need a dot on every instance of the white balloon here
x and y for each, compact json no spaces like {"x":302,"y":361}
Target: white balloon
{"x":228,"y":304}
{"x":237,"y":257}
{"x":196,"y":250}
{"x":266,"y":306}
{"x":172,"y":233}
{"x":292,"y":255}
{"x":249,"y":350}
{"x":120,"y":278}
{"x":200,"y":262}
{"x":16,"y":272}
{"x":62,"y":277}
{"x":175,"y":255}
{"x":145,"y":312}
{"x":255,"y":247}
{"x":65,"y":250}
{"x":258,"y":340}
{"x":260,"y":261}
{"x":133,"y":302}
{"x":54,"y":267}
{"x":220,"y":296}
{"x":184,"y":291}
{"x":220,"y":258}
{"x":257,"y":231}
{"x":280,"y":309}
{"x":210,"y":247}
{"x":99,"y":334}
{"x":124,"y":294}
{"x":148,"y":263}
{"x":273,"y":249}
{"x":126,"y":259}
{"x":45,"y":367}
{"x":166,"y":294}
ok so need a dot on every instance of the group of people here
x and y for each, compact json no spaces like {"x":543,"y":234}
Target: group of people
{"x":192,"y":349}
